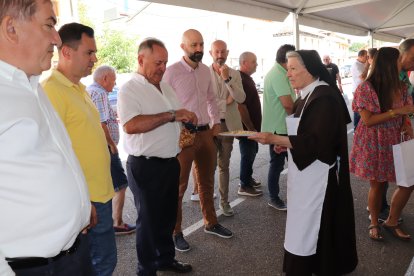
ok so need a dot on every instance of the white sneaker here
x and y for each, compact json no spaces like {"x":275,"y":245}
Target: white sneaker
{"x":196,"y":197}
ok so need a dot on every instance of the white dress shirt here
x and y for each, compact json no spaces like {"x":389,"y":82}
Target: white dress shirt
{"x":44,"y":199}
{"x":357,"y":68}
{"x":139,"y":97}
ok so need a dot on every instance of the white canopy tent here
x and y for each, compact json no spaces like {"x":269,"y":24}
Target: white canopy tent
{"x":385,"y":20}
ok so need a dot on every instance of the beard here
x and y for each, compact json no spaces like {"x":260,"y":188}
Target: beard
{"x":196,"y":56}
{"x":221,"y":61}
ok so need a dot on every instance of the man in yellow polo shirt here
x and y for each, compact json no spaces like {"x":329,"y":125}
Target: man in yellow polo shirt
{"x":81,"y":119}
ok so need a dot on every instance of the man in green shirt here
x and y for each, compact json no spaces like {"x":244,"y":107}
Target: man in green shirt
{"x":278,"y":98}
{"x":407,"y":61}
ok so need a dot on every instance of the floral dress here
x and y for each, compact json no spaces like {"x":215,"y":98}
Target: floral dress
{"x":371,"y":155}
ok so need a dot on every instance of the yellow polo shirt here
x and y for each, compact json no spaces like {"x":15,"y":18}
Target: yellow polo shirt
{"x":81,"y":119}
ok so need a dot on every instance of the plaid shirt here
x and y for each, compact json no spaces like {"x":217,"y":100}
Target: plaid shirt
{"x":100,"y":97}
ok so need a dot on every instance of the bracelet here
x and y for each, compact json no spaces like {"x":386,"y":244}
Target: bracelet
{"x":172,"y":112}
{"x":392,"y":113}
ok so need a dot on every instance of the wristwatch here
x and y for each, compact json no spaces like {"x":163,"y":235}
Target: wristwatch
{"x":172,"y":112}
{"x":228,"y":80}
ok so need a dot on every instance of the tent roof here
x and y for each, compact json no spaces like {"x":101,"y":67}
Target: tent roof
{"x":387,"y":20}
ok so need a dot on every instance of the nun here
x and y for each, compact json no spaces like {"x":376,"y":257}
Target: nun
{"x":320,"y":224}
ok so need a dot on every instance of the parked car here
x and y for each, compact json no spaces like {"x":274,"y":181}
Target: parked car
{"x":345,"y":71}
{"x":260,"y":87}
{"x":113,"y":97}
{"x":259,"y":83}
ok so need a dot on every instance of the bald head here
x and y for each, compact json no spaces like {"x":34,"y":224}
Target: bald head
{"x":326,"y":59}
{"x":248,"y":63}
{"x":190,"y":35}
{"x":219,"y":52}
{"x":193,"y":46}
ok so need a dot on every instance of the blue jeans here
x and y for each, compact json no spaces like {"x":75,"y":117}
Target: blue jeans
{"x":357,"y":117}
{"x":248,"y":151}
{"x":102,"y":241}
{"x":277,"y":163}
{"x":119,"y":178}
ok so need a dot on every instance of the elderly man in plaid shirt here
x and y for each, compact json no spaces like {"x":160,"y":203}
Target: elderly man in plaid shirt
{"x":104,"y":81}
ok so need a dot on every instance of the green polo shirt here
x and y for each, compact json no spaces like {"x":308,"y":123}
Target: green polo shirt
{"x":276,"y":84}
{"x":82,"y":121}
{"x":406,"y":80}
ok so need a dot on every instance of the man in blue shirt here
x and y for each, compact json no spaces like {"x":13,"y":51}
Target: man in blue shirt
{"x":104,"y":81}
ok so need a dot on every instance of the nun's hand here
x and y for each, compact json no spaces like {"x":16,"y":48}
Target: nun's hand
{"x":263,"y":138}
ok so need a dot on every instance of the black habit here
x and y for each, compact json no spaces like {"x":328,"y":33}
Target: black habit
{"x":322,"y":135}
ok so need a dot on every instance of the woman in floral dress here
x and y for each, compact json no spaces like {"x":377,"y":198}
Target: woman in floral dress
{"x":383,"y":103}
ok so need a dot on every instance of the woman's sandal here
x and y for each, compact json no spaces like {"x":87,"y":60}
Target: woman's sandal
{"x":397,"y":232}
{"x":375,"y":234}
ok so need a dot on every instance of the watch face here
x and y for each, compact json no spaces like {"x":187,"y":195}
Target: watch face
{"x":172,"y":112}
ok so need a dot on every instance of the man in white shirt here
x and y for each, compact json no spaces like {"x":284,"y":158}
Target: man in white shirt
{"x":44,"y":198}
{"x":356,"y":70}
{"x":150,"y":114}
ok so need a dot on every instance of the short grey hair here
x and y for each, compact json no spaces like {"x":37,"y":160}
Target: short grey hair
{"x":102,"y":71}
{"x":149,"y":42}
{"x":406,"y":45}
{"x":22,"y":9}
{"x":293,"y":54}
{"x":244,"y":56}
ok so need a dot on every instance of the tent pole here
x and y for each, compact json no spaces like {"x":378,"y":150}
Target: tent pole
{"x":371,"y":39}
{"x":296,"y":30}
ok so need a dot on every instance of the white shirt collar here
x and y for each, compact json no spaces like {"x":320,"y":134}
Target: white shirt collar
{"x":16,"y":75}
{"x":310,"y":87}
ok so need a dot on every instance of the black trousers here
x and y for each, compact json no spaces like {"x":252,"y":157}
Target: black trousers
{"x":79,"y":263}
{"x":154,"y":184}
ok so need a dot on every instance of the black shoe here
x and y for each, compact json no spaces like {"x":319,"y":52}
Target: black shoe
{"x":180,"y":243}
{"x":278,"y":204}
{"x":219,"y":230}
{"x":177,"y":267}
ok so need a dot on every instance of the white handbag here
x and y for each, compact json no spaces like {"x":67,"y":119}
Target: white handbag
{"x":403,"y":154}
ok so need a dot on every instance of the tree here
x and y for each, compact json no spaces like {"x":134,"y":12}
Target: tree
{"x":114,"y":47}
{"x":84,"y":18}
{"x":117,"y":50}
{"x":357,"y":46}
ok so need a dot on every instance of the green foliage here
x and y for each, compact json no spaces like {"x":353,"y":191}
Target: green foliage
{"x":84,"y":17}
{"x":117,"y":50}
{"x":357,"y":46}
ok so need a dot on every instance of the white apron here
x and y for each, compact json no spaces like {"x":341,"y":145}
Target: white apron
{"x":305,"y":196}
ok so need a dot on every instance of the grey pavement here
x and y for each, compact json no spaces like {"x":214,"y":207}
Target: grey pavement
{"x":257,"y":245}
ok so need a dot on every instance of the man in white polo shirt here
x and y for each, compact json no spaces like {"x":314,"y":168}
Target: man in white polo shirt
{"x":150,"y":115}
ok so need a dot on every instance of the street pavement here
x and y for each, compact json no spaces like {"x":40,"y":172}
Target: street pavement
{"x":257,"y":245}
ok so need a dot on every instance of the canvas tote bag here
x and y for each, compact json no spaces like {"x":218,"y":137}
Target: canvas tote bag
{"x":403,"y":154}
